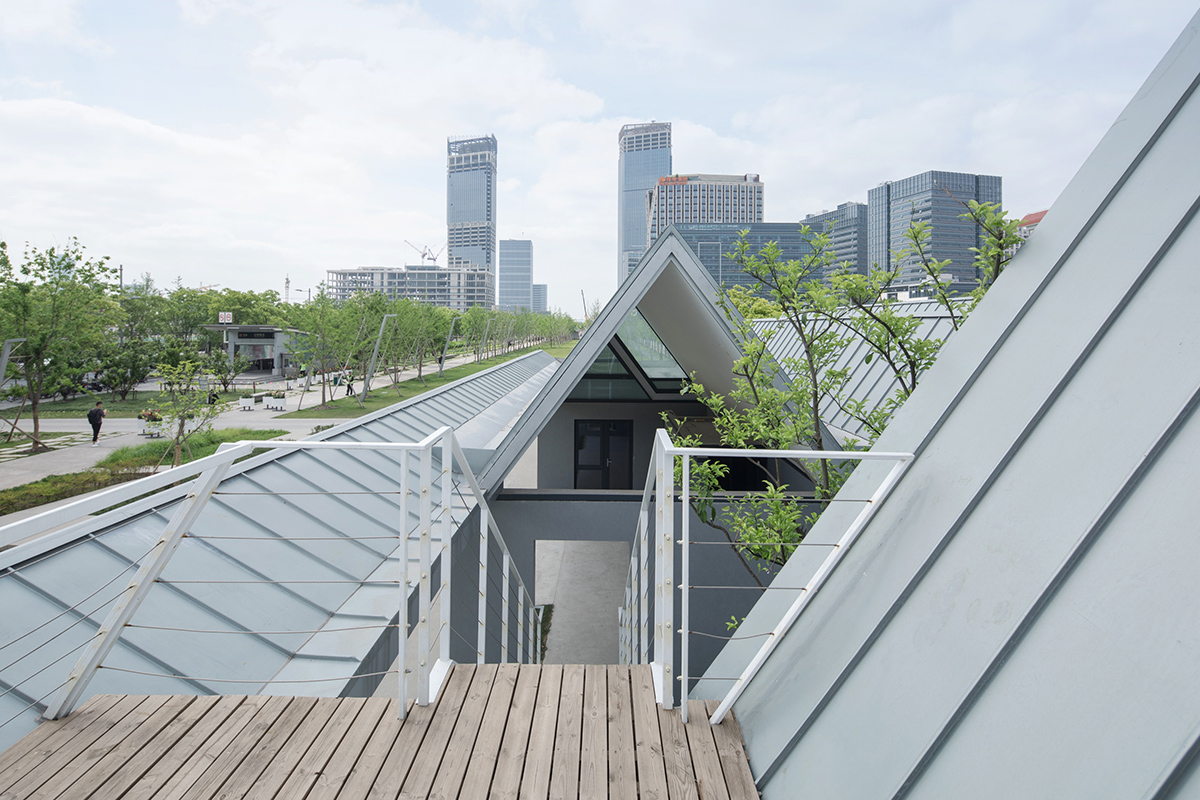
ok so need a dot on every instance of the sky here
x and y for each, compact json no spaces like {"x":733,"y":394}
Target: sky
{"x":241,"y":142}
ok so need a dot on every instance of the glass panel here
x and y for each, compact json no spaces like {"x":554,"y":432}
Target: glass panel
{"x":589,"y":479}
{"x":588,"y":444}
{"x":612,"y":389}
{"x":607,"y":363}
{"x":620,"y":444}
{"x":647,"y":349}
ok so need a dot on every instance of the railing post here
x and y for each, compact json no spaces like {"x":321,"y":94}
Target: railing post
{"x":446,"y":530}
{"x":667,"y":538}
{"x":522,"y":627}
{"x":684,"y":586}
{"x":108,"y":633}
{"x":504,"y":614}
{"x":643,"y":584}
{"x":481,"y":644}
{"x":402,"y":663}
{"x":423,"y":608}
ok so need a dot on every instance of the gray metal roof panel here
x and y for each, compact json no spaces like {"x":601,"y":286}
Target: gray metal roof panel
{"x":1018,"y":619}
{"x":50,"y":581}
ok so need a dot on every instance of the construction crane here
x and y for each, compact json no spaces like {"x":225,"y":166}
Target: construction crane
{"x":427,"y":253}
{"x":206,"y":287}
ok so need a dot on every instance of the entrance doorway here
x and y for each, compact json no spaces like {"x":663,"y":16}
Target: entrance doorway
{"x":603,"y":454}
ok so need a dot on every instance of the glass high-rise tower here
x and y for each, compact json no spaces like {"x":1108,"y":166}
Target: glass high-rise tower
{"x":471,"y":203}
{"x":645,"y":156}
{"x":516,"y":274}
{"x":937,"y":198}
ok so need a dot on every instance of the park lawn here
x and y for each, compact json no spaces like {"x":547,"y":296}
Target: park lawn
{"x":561,"y":351}
{"x":21,"y":441}
{"x":122,"y":465}
{"x":79,"y":406}
{"x":384,"y":394}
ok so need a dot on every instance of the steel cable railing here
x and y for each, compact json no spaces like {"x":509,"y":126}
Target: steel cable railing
{"x":649,"y":598}
{"x":436,"y":497}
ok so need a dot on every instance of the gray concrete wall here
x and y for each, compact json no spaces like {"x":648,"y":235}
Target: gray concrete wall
{"x":556,"y":442}
{"x":525,"y":517}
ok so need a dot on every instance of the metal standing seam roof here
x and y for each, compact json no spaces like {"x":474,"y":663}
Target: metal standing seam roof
{"x":1019,"y":619}
{"x":298,"y":506}
{"x":872,"y":380}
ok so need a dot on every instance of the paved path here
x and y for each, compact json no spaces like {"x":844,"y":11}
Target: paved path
{"x":78,"y":455}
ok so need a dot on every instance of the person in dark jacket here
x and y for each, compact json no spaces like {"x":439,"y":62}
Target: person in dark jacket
{"x":96,"y":417}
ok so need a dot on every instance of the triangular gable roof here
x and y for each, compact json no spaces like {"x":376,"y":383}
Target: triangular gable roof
{"x":677,"y":296}
{"x":1019,"y":617}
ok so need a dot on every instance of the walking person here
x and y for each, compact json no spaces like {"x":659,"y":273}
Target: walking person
{"x":96,"y":418}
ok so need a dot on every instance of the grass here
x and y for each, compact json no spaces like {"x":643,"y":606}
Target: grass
{"x":80,"y":405}
{"x":122,"y":465}
{"x":384,"y":394}
{"x":561,"y":351}
{"x":21,"y":440}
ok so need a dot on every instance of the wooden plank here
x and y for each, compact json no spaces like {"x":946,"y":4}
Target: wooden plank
{"x":355,"y":748}
{"x":710,"y":778}
{"x":50,"y":736}
{"x":535,"y":783}
{"x":215,"y":752}
{"x":564,"y":772}
{"x":506,"y":781}
{"x":417,"y":728}
{"x":313,"y":764}
{"x":442,"y":761}
{"x":681,"y":781}
{"x":205,"y":774}
{"x":105,"y":758}
{"x":104,"y":733}
{"x":152,"y":752}
{"x":362,"y":769}
{"x":214,"y":723}
{"x":287,"y":758}
{"x":593,"y":745}
{"x":622,"y":773}
{"x":486,"y":753}
{"x":647,"y":741}
{"x":267,"y":748}
{"x":732,"y":751}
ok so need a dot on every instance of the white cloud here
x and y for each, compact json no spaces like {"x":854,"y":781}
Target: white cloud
{"x":52,"y":20}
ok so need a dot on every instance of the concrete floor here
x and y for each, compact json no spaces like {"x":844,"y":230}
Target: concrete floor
{"x":586,"y":583}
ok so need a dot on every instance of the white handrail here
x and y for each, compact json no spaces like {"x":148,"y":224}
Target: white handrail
{"x":662,"y":469}
{"x":217,"y":466}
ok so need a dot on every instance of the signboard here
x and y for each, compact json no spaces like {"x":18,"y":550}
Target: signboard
{"x":225,"y":317}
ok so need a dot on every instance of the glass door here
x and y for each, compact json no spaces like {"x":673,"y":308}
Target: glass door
{"x":603,"y":454}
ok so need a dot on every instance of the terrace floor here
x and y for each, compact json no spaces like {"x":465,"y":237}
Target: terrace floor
{"x":504,"y":730}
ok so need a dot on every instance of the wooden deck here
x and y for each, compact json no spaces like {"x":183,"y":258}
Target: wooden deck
{"x":496,"y":731}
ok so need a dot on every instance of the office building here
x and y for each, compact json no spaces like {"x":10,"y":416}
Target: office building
{"x":515,"y":282}
{"x":645,"y":156}
{"x":847,"y":229}
{"x":458,"y":289}
{"x":702,"y":198}
{"x":714,"y":243}
{"x":937,"y":198}
{"x":539,"y":298}
{"x":471,"y":203}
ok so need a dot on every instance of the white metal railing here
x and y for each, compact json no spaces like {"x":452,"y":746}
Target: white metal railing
{"x":636,"y":646}
{"x":432,"y":493}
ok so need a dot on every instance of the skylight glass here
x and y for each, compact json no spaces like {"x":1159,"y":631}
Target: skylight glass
{"x":648,"y":350}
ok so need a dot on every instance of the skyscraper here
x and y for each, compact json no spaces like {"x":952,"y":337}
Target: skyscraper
{"x":645,"y":156}
{"x":847,"y":229}
{"x":539,"y":298}
{"x":714,"y":242}
{"x":471,"y":203}
{"x":516,"y":274}
{"x":937,"y":198}
{"x":703,"y":198}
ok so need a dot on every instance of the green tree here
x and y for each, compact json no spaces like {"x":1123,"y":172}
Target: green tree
{"x":58,"y":300}
{"x":124,"y":366}
{"x":184,"y":404}
{"x":224,"y":369}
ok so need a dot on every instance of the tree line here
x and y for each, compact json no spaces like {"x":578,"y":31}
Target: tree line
{"x":85,"y":332}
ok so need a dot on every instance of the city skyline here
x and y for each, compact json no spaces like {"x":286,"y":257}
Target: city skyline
{"x":240,"y":141}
